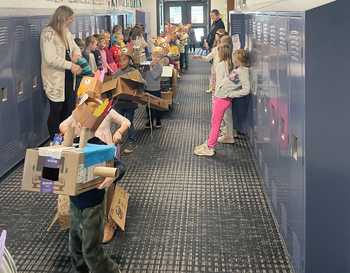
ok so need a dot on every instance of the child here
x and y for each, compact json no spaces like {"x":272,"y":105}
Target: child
{"x":101,"y":45}
{"x":110,"y":60}
{"x":213,"y":55}
{"x":86,"y":221}
{"x":235,"y":85}
{"x":181,"y":42}
{"x":117,"y":29}
{"x":127,"y":108}
{"x":153,"y":80}
{"x":137,"y":38}
{"x":187,"y":48}
{"x":91,"y":44}
{"x":116,"y":47}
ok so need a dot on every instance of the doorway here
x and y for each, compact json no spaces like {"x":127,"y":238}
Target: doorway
{"x":188,"y":12}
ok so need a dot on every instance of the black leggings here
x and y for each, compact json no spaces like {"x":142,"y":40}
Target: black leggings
{"x":194,"y":48}
{"x":59,"y":111}
{"x":182,"y":57}
{"x":155,"y":114}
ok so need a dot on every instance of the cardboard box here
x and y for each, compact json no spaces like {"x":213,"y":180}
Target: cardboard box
{"x":168,"y":97}
{"x":119,"y":206}
{"x":123,"y":87}
{"x":174,"y":87}
{"x":65,"y":170}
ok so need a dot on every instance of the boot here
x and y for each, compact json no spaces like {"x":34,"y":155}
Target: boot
{"x":110,"y":228}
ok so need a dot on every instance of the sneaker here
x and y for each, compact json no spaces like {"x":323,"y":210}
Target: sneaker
{"x":158,"y":125}
{"x":226,"y":139}
{"x":147,"y":125}
{"x":178,"y":76}
{"x":235,"y":134}
{"x":130,"y":147}
{"x":205,"y":150}
{"x":186,"y":67}
{"x":110,"y":228}
{"x":222,"y":133}
{"x":201,"y":146}
{"x":209,"y":91}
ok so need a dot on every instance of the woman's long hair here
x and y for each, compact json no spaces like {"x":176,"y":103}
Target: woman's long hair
{"x":225,"y":55}
{"x":136,"y":32}
{"x":59,"y":22}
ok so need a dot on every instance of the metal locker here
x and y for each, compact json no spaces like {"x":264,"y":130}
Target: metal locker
{"x":265,"y":96}
{"x":273,"y":167}
{"x":86,"y":31}
{"x":237,"y":26}
{"x":9,"y":133}
{"x":22,"y":82}
{"x":92,"y":25}
{"x":72,"y":28}
{"x":80,"y":27}
{"x":40,"y":105}
{"x":282,"y":183}
{"x":296,"y":139}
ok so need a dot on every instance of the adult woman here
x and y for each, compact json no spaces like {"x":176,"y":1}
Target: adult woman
{"x":59,"y":53}
{"x":217,"y":24}
{"x":137,"y":38}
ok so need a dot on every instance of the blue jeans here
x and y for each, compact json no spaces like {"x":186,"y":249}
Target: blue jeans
{"x":129,"y":114}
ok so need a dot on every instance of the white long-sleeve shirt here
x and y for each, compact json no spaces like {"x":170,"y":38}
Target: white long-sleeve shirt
{"x":213,"y":55}
{"x":221,"y":73}
{"x":235,"y":85}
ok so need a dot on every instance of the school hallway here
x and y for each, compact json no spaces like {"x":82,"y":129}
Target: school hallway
{"x":186,"y":213}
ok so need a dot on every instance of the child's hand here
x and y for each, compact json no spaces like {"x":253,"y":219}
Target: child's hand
{"x":110,"y":69}
{"x":76,"y":69}
{"x":117,"y":138}
{"x":134,"y":92}
{"x":195,"y":57}
{"x":106,"y":183}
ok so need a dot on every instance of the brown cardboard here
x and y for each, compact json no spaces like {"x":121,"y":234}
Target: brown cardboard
{"x":168,"y":97}
{"x":91,"y":84}
{"x":119,"y":206}
{"x":174,"y":87}
{"x":85,"y":116}
{"x":124,"y":86}
{"x":73,"y":178}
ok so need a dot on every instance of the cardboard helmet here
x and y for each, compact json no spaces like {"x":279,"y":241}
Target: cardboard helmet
{"x":127,"y":51}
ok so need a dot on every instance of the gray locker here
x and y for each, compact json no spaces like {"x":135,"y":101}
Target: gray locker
{"x":80,"y":27}
{"x":9,"y":134}
{"x":22,"y":83}
{"x":92,"y":25}
{"x":87,"y":27}
{"x":72,"y":28}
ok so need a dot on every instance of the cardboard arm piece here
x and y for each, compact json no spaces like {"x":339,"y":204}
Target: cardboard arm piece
{"x":106,"y":172}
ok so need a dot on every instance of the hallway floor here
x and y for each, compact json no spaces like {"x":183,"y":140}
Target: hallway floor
{"x":185,"y":214}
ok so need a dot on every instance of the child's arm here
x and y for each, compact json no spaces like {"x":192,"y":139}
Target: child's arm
{"x":156,"y":73}
{"x":109,"y":68}
{"x":124,"y":122}
{"x":210,"y":56}
{"x":220,"y":74}
{"x":245,"y":90}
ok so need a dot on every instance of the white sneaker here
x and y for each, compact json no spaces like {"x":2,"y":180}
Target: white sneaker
{"x":226,"y":139}
{"x":222,"y":133}
{"x":201,"y":146}
{"x":209,"y":91}
{"x":235,"y":134}
{"x":205,"y":150}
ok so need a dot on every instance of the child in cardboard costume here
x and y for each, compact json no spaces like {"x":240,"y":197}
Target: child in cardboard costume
{"x":87,"y":209}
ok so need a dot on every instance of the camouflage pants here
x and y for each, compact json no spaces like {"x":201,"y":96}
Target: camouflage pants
{"x":85,"y":241}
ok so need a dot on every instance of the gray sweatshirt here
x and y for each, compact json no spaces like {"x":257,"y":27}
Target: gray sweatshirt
{"x":235,"y":85}
{"x":153,"y":77}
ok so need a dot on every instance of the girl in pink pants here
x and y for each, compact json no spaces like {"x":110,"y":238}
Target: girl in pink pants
{"x":235,"y":85}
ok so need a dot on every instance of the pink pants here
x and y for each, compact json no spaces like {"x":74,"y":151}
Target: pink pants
{"x":220,"y":106}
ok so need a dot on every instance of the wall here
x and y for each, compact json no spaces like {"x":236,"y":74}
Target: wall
{"x":280,"y":5}
{"x":150,"y":6}
{"x":220,"y":5}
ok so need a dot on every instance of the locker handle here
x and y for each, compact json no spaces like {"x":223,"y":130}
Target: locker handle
{"x":4,"y":93}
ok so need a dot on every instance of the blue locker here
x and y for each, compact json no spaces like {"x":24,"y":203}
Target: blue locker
{"x":80,"y":27}
{"x":9,"y":133}
{"x":296,"y":139}
{"x":273,"y":167}
{"x":22,"y":83}
{"x":265,"y":99}
{"x":237,"y":26}
{"x":92,"y":25}
{"x":40,"y":105}
{"x":87,"y":27}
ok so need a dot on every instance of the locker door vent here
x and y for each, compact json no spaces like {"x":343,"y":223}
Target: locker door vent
{"x":9,"y":151}
{"x":295,"y":46}
{"x":250,"y":27}
{"x":266,"y":34}
{"x":237,"y":26}
{"x":284,"y":220}
{"x":34,"y":33}
{"x":20,"y":33}
{"x":274,"y":195}
{"x":25,"y":140}
{"x":273,"y":37}
{"x":87,"y":29}
{"x":259,"y":31}
{"x":254,"y":30}
{"x":38,"y":129}
{"x":296,"y":252}
{"x":80,"y":25}
{"x":92,"y":24}
{"x":283,"y":41}
{"x":98,"y":24}
{"x":4,"y":35}
{"x":72,"y":28}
